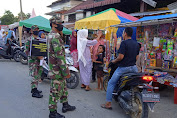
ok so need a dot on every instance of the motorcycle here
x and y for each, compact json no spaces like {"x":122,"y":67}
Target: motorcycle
{"x":136,"y":94}
{"x":73,"y":81}
{"x":15,"y":49}
{"x":23,"y":58}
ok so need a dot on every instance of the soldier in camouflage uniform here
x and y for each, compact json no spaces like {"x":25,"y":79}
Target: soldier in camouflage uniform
{"x":58,"y":70}
{"x":35,"y":70}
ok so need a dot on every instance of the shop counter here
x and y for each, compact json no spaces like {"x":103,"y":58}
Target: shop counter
{"x":172,"y":72}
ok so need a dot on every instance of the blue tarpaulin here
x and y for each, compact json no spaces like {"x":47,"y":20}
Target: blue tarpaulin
{"x":121,"y":29}
{"x":157,"y":17}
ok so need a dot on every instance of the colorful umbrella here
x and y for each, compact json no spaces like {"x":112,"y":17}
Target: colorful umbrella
{"x":104,"y":19}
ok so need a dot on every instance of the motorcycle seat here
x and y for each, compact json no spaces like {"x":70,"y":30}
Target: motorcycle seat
{"x":131,"y":74}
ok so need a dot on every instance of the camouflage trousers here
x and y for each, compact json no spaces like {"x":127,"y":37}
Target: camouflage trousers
{"x":58,"y":91}
{"x":35,"y":71}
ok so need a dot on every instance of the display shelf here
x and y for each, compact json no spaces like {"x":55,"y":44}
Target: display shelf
{"x":166,"y":83}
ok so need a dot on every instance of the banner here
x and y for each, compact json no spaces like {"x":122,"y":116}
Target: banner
{"x":39,"y":48}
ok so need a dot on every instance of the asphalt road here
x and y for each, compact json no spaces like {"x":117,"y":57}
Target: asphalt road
{"x":16,"y":100}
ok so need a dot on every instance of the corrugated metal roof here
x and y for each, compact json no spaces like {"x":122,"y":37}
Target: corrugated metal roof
{"x":92,"y":4}
{"x":150,"y":13}
{"x":53,"y":3}
{"x":172,"y":6}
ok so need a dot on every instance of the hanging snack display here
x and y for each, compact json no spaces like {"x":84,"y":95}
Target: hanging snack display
{"x":160,"y":48}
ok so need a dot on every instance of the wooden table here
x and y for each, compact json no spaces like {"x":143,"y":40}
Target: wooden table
{"x":173,"y":72}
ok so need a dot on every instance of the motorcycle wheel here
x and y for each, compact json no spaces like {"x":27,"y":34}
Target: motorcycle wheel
{"x":23,"y":60}
{"x":16,"y":57}
{"x":105,"y":82}
{"x":73,"y":81}
{"x":141,"y":108}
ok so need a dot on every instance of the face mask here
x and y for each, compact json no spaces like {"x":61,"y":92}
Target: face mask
{"x":59,"y":27}
{"x":35,"y":32}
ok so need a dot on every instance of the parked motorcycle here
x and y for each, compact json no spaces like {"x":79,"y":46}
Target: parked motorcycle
{"x":15,"y":49}
{"x":135,"y":95}
{"x":23,"y":58}
{"x":73,"y":81}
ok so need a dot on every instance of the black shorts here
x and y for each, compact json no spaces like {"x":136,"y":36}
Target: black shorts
{"x":99,"y":73}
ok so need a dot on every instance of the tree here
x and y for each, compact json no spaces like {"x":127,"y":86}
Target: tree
{"x":28,"y":15}
{"x":25,"y":16}
{"x":8,"y":18}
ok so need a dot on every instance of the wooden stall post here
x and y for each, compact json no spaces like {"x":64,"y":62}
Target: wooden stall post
{"x":20,"y":35}
{"x":175,"y":95}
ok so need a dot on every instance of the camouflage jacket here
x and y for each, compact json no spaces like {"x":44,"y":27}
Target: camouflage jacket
{"x":56,"y":53}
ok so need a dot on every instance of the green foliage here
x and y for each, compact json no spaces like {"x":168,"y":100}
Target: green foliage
{"x":8,"y":17}
{"x":25,"y":16}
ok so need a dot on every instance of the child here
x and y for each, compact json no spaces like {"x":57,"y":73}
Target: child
{"x":99,"y":66}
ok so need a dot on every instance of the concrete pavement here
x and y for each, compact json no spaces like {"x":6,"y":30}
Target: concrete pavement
{"x":16,"y":100}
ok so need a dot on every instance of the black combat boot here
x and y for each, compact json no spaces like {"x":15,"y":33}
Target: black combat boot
{"x":54,"y":114}
{"x":36,"y":94}
{"x":67,"y":107}
{"x":37,"y":91}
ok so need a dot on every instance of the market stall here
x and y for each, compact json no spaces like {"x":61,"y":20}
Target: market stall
{"x":102,"y":21}
{"x":158,"y":35}
{"x":42,"y":23}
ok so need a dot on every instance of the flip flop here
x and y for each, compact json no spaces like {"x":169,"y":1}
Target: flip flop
{"x":88,"y":89}
{"x":82,"y":87}
{"x":104,"y":106}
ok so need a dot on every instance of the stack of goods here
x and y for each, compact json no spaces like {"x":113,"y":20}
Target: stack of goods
{"x":160,"y":45}
{"x":163,"y":77}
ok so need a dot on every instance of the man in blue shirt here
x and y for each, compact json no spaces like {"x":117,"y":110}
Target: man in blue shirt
{"x":128,"y":54}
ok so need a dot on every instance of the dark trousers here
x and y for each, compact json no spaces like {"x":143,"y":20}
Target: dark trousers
{"x":93,"y":73}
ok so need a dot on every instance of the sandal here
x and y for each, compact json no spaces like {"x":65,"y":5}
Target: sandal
{"x":105,"y":107}
{"x":82,"y":87}
{"x":88,"y":89}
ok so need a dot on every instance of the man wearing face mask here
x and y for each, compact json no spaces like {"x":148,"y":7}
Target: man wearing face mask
{"x":58,"y":69}
{"x":35,"y":70}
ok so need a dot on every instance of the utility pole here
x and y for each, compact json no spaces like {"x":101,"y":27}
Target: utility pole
{"x":20,"y":28}
{"x":21,"y":10}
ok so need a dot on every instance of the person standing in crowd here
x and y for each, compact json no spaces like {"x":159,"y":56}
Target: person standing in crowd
{"x":140,"y":61}
{"x":128,"y":54}
{"x":2,"y":35}
{"x":101,"y":41}
{"x":10,"y":34}
{"x":58,"y":69}
{"x":73,"y":48}
{"x":99,"y":63}
{"x":42,"y":36}
{"x":84,"y":57}
{"x":35,"y":70}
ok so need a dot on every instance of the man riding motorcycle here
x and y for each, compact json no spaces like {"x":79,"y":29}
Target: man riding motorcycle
{"x":128,"y":54}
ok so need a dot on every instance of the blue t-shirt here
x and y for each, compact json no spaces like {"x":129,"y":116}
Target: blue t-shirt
{"x":130,"y":49}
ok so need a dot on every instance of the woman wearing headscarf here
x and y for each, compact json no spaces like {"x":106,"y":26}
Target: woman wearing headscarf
{"x":84,"y":57}
{"x":73,"y":48}
{"x":42,"y":36}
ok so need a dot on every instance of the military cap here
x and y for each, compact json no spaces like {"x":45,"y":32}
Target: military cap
{"x":56,"y":19}
{"x":34,"y":27}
